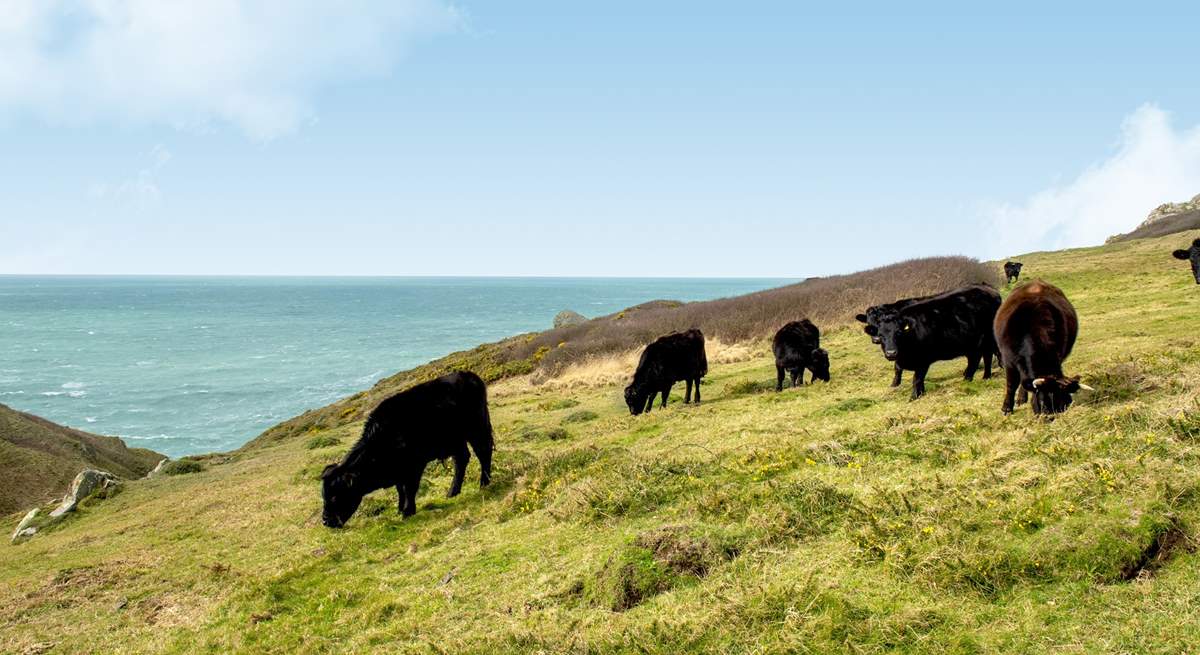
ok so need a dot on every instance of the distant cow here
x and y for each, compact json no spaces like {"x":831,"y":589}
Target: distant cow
{"x":953,"y":324}
{"x":1012,"y":271}
{"x":669,"y":359}
{"x":1192,"y":254}
{"x":797,"y":346}
{"x":433,"y":420}
{"x":1035,"y":330}
{"x":871,"y":317}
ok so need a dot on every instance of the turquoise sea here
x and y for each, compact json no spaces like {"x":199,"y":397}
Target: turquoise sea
{"x":186,"y":365}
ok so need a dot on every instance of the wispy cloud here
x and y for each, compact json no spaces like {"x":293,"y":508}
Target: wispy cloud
{"x":140,"y":191}
{"x":1153,"y":163}
{"x":254,"y":63}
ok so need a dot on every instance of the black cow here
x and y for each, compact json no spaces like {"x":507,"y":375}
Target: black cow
{"x":871,"y":317}
{"x":797,"y":346}
{"x":1192,"y":254}
{"x":1012,"y":271}
{"x":433,"y":420}
{"x":669,"y":359}
{"x":953,"y":324}
{"x":1035,"y":330}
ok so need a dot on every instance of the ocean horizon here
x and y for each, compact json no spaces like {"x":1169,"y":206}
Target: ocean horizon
{"x":186,"y":364}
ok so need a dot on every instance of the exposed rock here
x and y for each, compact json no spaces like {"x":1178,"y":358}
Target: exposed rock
{"x":158,"y":469}
{"x":88,"y":482}
{"x":567,"y":317}
{"x":1160,"y":214}
{"x":1169,"y":209}
{"x":23,"y":528}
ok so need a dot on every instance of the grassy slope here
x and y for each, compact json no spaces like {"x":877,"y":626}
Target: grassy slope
{"x":833,"y":517}
{"x":40,"y":458}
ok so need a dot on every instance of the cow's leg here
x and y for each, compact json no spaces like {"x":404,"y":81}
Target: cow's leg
{"x":401,"y":498}
{"x":687,"y":394}
{"x":896,"y":379}
{"x":483,"y":450}
{"x":412,"y":484}
{"x":696,"y":398}
{"x":918,"y":383}
{"x":1022,"y":394}
{"x":1012,"y":380}
{"x":461,"y":459}
{"x":972,"y":366}
{"x":778,"y":378}
{"x":795,"y":373}
{"x":665,"y":392}
{"x":650,"y":403}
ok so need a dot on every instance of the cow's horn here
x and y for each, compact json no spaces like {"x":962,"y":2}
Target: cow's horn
{"x":1086,"y":387}
{"x":1037,"y":382}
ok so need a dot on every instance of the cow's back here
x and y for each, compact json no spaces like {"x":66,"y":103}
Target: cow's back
{"x":1041,"y":312}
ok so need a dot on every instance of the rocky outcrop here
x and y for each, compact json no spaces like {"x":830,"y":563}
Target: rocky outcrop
{"x":567,"y":317}
{"x":88,"y":482}
{"x":1167,"y":218}
{"x":159,"y":468}
{"x":1170,"y":209}
{"x":25,"y":528}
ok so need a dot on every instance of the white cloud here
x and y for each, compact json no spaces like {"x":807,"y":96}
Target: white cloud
{"x":140,"y":191}
{"x":1153,"y":163}
{"x":254,"y":63}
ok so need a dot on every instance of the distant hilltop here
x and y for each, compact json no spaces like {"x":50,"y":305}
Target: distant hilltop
{"x":1167,"y":218}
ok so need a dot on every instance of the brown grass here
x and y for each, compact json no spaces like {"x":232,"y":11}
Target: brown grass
{"x":605,"y":348}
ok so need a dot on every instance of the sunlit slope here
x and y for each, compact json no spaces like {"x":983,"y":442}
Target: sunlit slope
{"x":834,"y":517}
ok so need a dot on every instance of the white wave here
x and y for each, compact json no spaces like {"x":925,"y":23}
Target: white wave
{"x":73,"y":385}
{"x":90,"y":419}
{"x":77,"y":394}
{"x":53,"y":393}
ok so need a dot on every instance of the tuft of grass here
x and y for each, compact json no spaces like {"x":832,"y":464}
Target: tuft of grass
{"x":182,"y":467}
{"x":581,"y":416}
{"x":322,"y":441}
{"x":557,"y":403}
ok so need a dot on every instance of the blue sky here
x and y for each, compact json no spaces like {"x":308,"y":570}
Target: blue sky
{"x":417,"y":137}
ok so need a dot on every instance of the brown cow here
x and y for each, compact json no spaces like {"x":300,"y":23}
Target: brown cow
{"x":1035,"y":331}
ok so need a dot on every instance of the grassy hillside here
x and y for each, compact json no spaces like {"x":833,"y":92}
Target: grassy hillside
{"x":39,"y":459}
{"x":836,"y":517}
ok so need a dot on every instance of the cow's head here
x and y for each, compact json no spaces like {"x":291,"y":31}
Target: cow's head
{"x":819,"y":364}
{"x":894,"y":331}
{"x":338,"y":492}
{"x":1052,"y":394}
{"x":635,"y":399}
{"x":869,"y":328}
{"x":1013,"y":268}
{"x":1192,"y":255}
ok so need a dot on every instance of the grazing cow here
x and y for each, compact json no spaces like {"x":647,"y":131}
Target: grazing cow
{"x":1035,"y":330}
{"x":797,"y":346}
{"x":872,"y":316}
{"x":953,"y":324}
{"x":669,"y":359}
{"x":1192,"y":254}
{"x":433,"y":420}
{"x":1012,"y":271}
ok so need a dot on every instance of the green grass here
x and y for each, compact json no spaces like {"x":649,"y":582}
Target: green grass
{"x":834,"y":517}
